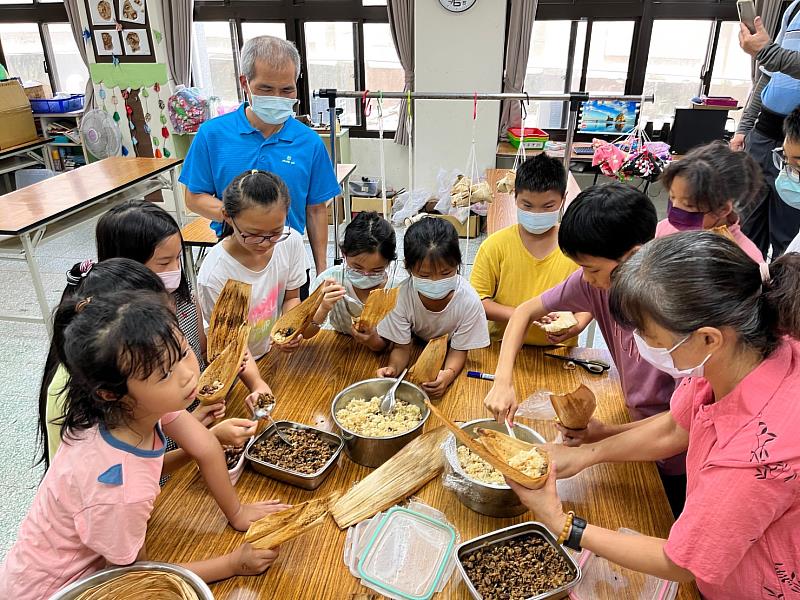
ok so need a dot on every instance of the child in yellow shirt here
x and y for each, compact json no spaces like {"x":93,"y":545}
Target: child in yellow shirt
{"x":523,"y":260}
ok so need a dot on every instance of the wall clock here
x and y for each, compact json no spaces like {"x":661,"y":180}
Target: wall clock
{"x":457,"y":6}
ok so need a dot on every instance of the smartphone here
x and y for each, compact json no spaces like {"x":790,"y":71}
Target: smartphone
{"x":747,"y":14}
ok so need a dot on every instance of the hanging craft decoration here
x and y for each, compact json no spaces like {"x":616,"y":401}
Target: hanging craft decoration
{"x":87,"y":36}
{"x":157,"y":36}
{"x":101,"y":93}
{"x":157,"y":152}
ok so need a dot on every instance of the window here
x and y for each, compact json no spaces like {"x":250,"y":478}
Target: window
{"x":383,"y":72}
{"x":22,"y":46}
{"x":547,"y":71}
{"x":331,"y":64}
{"x":251,"y":30}
{"x":609,"y":55}
{"x":213,"y":67}
{"x":71,"y":74}
{"x":674,"y":71}
{"x":731,"y":75}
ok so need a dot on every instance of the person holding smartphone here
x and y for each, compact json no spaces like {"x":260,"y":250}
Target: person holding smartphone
{"x":771,"y":222}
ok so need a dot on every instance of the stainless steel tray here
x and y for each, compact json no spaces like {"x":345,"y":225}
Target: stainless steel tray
{"x":301,"y":480}
{"x":76,"y":588}
{"x":502,"y":535}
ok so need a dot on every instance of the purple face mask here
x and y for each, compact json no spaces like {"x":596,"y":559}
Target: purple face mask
{"x":683,"y":220}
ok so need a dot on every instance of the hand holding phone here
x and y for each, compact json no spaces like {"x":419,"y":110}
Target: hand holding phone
{"x":747,"y":14}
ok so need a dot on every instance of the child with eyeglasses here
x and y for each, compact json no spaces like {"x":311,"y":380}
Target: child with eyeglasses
{"x":257,"y":248}
{"x":369,"y":247}
{"x":787,"y":161}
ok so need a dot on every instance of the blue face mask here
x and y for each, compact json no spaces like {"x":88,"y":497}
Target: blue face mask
{"x":435,"y":289}
{"x":273,"y":110}
{"x":537,"y":223}
{"x":788,"y":190}
{"x":365,"y":282}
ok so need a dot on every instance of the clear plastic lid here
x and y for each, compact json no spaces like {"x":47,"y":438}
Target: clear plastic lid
{"x":407,"y":554}
{"x":602,"y":578}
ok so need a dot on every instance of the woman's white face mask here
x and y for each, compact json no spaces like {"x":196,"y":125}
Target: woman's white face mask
{"x":661,"y":358}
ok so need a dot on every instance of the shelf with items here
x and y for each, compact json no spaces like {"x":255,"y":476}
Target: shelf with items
{"x":65,"y":151}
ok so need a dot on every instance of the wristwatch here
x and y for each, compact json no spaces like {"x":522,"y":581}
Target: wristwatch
{"x":575,"y":534}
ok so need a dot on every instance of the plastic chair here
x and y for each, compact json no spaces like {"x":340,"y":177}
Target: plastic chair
{"x":25,"y":177}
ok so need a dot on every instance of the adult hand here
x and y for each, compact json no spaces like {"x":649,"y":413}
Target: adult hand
{"x":737,"y":142}
{"x":208,"y":413}
{"x":753,"y":43}
{"x":253,"y":512}
{"x":571,"y":461}
{"x":387,"y":372}
{"x":436,"y":388}
{"x":234,"y":432}
{"x":593,"y":432}
{"x":247,"y":560}
{"x":501,"y":401}
{"x":544,"y":502}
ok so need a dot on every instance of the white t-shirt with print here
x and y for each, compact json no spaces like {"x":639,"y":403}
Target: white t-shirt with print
{"x":463,"y":319}
{"x":285,"y":271}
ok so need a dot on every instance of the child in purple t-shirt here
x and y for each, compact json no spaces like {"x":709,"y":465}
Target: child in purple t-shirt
{"x":600,"y":229}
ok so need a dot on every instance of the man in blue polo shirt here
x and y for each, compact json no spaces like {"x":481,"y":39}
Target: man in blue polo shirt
{"x":263,"y":134}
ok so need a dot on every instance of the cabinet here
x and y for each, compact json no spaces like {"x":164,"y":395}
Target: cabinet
{"x":65,"y":152}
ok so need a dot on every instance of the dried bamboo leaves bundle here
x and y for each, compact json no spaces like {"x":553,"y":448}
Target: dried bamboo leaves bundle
{"x":508,"y":183}
{"x":430,"y":361}
{"x":153,"y":585}
{"x":229,"y":313}
{"x":277,"y":528}
{"x":415,"y":465}
{"x":379,"y":304}
{"x":465,"y":193}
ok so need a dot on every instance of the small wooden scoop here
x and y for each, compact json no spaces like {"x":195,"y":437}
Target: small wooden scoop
{"x":495,"y":453}
{"x":574,"y":410}
{"x":293,"y":323}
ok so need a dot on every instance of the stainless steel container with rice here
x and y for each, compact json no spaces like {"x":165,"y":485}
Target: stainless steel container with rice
{"x":371,"y":438}
{"x":476,"y":484}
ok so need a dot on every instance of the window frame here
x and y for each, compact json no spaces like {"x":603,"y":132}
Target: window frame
{"x":295,"y":15}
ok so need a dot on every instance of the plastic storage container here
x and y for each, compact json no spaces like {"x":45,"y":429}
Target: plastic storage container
{"x":66,"y":104}
{"x":535,"y":139}
{"x":602,"y":577}
{"x":407,"y":555}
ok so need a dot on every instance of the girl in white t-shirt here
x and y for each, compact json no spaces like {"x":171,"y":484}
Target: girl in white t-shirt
{"x":258,"y":248}
{"x":436,"y":300}
{"x":368,"y":248}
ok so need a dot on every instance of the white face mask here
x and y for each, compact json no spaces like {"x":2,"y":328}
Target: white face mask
{"x":661,"y":358}
{"x":435,"y":290}
{"x":537,"y":223}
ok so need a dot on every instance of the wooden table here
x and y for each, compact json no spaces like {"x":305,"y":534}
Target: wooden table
{"x":52,"y":207}
{"x":503,"y":210}
{"x":187,"y":525}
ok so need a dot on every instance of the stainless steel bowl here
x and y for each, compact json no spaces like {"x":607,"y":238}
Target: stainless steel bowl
{"x":503,"y":535}
{"x":488,"y":499}
{"x":374,"y":451}
{"x":302,"y":480}
{"x":76,"y":588}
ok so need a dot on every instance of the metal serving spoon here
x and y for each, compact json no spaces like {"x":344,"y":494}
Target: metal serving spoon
{"x":266,"y":413}
{"x":387,"y":404}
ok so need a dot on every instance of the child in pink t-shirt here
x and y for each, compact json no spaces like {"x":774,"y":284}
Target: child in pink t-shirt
{"x":132,"y":374}
{"x":701,"y":309}
{"x":706,"y":187}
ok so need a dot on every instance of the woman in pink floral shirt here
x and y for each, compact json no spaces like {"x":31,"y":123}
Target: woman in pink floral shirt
{"x":706,"y":312}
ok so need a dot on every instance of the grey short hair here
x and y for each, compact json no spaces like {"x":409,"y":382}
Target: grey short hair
{"x":272,"y":50}
{"x":696,"y":279}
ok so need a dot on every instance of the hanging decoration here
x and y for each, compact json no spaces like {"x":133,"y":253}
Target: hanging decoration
{"x":157,"y":36}
{"x":101,"y":93}
{"x":87,"y":36}
{"x":162,"y":117}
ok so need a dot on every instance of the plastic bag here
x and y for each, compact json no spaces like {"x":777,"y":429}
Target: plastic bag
{"x":187,"y":109}
{"x":537,"y":406}
{"x":406,"y":206}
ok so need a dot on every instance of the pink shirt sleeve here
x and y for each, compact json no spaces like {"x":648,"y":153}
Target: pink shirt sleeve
{"x":680,"y":405}
{"x":729,"y":508}
{"x":114,"y":531}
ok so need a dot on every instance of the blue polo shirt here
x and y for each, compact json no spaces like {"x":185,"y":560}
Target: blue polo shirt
{"x":229,"y":145}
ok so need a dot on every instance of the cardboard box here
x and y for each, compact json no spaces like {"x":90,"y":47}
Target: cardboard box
{"x":34,"y":90}
{"x":358,"y":204}
{"x":16,"y":119}
{"x":475,"y":224}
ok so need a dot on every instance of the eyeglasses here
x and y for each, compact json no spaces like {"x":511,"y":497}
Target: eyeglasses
{"x":254,"y":240}
{"x":779,"y":160}
{"x":375,"y":273}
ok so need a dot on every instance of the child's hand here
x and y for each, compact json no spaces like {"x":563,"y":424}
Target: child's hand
{"x":437,"y":387}
{"x":387,"y":372}
{"x":208,"y":413}
{"x":557,"y":338}
{"x":253,"y":512}
{"x":245,"y":359}
{"x":247,"y":560}
{"x":234,"y":432}
{"x":290,"y":347}
{"x":332,"y":292}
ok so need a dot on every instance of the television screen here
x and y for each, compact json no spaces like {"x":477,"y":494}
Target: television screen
{"x":612,"y":117}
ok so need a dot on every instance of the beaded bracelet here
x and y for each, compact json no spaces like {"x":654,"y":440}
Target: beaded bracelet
{"x":567,"y":527}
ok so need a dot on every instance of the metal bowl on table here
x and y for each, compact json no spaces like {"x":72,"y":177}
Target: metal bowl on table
{"x":493,"y":500}
{"x":374,"y":451}
{"x":77,"y":588}
{"x":502,"y":536}
{"x":302,"y":480}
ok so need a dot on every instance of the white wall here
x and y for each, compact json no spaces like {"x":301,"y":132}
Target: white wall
{"x":365,"y":153}
{"x":456,"y":53}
